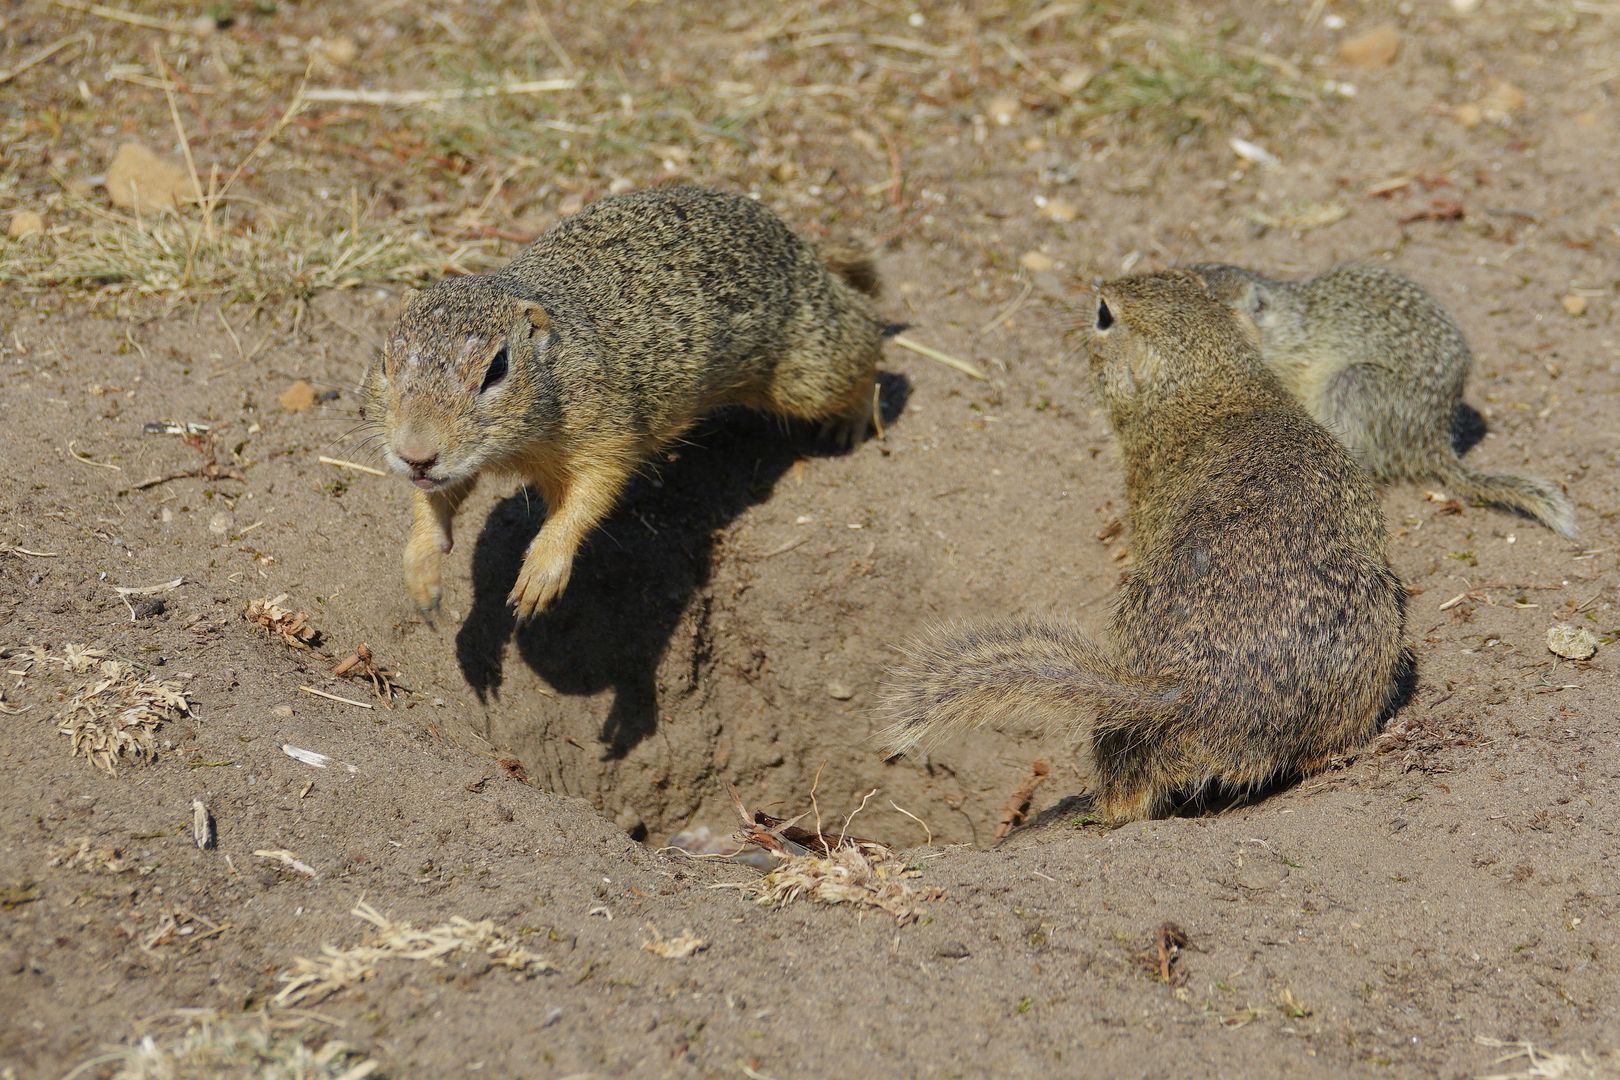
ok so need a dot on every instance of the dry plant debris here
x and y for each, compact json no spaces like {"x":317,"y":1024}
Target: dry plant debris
{"x":212,"y":1044}
{"x":1572,"y":642}
{"x":82,"y":853}
{"x":1536,"y":1064}
{"x":1290,"y":1005}
{"x":17,"y":893}
{"x":202,"y":825}
{"x":1017,"y":807}
{"x":832,"y":868}
{"x":287,"y":859}
{"x":1418,"y":738}
{"x":204,"y":440}
{"x":278,"y":622}
{"x":363,"y":666}
{"x":673,"y":948}
{"x":1162,"y":957}
{"x":118,"y":714}
{"x":310,"y":981}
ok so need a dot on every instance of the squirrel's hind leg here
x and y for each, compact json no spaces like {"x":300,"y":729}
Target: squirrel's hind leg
{"x":1138,"y":768}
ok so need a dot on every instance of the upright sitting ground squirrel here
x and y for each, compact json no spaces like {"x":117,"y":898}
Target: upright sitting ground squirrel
{"x":1380,"y":364}
{"x":1260,"y":633}
{"x":603,"y":341}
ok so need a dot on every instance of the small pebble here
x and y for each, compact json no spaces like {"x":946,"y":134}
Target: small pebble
{"x":1377,"y":47}
{"x":25,"y":224}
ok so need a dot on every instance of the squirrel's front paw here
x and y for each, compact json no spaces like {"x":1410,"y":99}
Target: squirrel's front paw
{"x":422,"y":573}
{"x":540,"y":581}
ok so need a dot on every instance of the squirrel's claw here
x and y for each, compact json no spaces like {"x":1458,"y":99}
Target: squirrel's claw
{"x":539,"y":583}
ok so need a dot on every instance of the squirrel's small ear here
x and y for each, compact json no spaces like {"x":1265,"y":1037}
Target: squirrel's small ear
{"x":537,"y":316}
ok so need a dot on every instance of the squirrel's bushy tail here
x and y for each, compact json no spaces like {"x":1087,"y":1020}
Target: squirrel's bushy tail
{"x":1044,"y":672}
{"x":1527,"y":495}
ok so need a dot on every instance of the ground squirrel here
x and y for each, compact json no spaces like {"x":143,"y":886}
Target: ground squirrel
{"x":603,"y":341}
{"x":1260,"y":633}
{"x":1379,"y":363}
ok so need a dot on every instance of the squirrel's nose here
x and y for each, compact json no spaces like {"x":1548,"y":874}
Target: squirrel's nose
{"x":417,"y":453}
{"x":421,"y":465}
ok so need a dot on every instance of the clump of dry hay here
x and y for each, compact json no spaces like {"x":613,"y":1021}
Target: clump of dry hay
{"x":118,"y":714}
{"x":1534,"y":1063}
{"x":311,"y":981}
{"x":212,"y":1045}
{"x":290,"y":627}
{"x":850,"y":875}
{"x":831,"y":868}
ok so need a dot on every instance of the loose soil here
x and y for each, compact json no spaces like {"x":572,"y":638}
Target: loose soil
{"x":1454,"y":884}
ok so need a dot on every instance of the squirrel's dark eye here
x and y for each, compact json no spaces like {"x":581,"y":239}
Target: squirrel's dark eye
{"x":1105,"y":318}
{"x":496,"y":372}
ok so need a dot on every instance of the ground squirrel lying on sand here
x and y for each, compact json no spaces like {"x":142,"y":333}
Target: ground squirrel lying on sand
{"x":1259,"y":634}
{"x":601,"y":342}
{"x":1379,"y":363}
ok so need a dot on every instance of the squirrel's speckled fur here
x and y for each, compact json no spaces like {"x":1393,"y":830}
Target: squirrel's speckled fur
{"x":1260,"y":633}
{"x":1380,"y":364}
{"x":605,"y":339}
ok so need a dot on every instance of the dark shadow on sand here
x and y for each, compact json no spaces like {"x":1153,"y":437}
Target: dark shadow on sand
{"x":635,"y":577}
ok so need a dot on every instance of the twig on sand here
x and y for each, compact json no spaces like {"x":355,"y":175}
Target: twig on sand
{"x":289,"y":860}
{"x":125,"y":592}
{"x":43,"y":55}
{"x":1012,"y":814}
{"x":76,"y":456}
{"x":148,"y":22}
{"x":356,"y":466}
{"x":932,"y":353}
{"x":434,"y":97}
{"x":334,"y":697}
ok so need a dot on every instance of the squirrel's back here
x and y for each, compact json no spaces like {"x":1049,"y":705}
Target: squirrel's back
{"x":685,"y":288}
{"x":1264,"y":587}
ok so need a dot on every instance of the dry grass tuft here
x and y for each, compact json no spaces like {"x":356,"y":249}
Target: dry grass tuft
{"x":116,"y":716}
{"x":212,"y":1045}
{"x":1535,"y":1064}
{"x":850,"y":875}
{"x":291,"y":627}
{"x":165,"y":255}
{"x":1162,"y":78}
{"x":831,"y":868}
{"x":311,"y":981}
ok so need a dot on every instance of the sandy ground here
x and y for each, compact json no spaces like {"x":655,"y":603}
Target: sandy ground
{"x":1453,"y":888}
